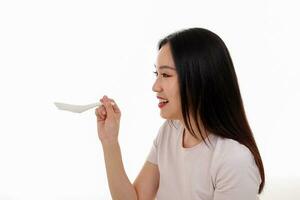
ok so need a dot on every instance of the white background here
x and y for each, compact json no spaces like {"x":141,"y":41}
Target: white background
{"x":78,"y":51}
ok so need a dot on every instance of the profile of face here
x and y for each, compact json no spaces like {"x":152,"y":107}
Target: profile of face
{"x":166,"y":84}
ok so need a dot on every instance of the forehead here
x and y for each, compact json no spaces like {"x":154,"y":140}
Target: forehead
{"x":164,"y":58}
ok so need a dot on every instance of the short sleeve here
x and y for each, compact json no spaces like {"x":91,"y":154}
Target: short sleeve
{"x":237,"y":178}
{"x":153,"y":154}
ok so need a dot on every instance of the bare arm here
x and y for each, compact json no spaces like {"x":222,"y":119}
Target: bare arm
{"x":119,"y":184}
{"x":108,"y":123}
{"x":147,"y":182}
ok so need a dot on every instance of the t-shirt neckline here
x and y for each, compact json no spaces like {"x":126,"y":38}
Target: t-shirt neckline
{"x":197,"y":146}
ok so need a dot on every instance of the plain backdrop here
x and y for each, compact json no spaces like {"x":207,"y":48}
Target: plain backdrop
{"x":76,"y":51}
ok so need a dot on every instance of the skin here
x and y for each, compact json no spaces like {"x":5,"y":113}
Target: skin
{"x":166,"y":86}
{"x":108,"y":123}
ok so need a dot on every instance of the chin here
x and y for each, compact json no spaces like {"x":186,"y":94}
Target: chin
{"x":169,"y":117}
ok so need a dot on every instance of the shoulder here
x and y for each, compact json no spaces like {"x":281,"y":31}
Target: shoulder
{"x":229,"y":149}
{"x":231,"y":153}
{"x":234,"y":172}
{"x":233,"y":161}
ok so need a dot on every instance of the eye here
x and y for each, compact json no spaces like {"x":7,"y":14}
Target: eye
{"x":163,"y":74}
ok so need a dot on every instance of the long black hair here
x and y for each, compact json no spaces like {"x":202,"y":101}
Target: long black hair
{"x":209,"y":88}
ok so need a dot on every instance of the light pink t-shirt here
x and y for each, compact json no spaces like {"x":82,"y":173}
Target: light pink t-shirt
{"x":224,"y":171}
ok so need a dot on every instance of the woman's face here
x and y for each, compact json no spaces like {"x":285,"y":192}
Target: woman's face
{"x":166,"y":84}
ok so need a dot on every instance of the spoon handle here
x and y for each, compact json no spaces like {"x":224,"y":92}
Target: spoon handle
{"x":92,"y":105}
{"x":77,"y":108}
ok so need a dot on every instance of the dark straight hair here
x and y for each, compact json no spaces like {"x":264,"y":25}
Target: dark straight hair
{"x":209,"y":88}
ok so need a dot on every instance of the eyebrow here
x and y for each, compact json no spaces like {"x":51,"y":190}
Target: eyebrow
{"x":165,"y":67}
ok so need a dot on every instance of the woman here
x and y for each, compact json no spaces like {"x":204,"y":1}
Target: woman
{"x":208,"y":152}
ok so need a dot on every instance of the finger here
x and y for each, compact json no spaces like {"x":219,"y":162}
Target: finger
{"x":97,"y":113}
{"x":99,"y":116}
{"x":109,"y":109}
{"x":115,"y":106}
{"x":102,"y":110}
{"x":112,"y":101}
{"x":102,"y":118}
{"x":101,"y":106}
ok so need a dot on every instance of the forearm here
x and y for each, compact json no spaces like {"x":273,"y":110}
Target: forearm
{"x":119,"y":184}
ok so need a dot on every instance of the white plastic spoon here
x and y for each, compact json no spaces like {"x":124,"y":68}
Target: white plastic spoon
{"x":77,"y":108}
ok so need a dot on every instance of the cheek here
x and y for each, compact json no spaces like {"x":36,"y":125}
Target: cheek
{"x":176,"y":103}
{"x":173,"y":88}
{"x":173,"y":91}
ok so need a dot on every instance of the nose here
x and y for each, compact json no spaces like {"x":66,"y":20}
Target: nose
{"x":156,"y":87}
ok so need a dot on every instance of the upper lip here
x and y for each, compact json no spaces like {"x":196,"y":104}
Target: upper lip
{"x":161,"y":98}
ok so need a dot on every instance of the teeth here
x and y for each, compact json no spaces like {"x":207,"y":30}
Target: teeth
{"x":163,"y":101}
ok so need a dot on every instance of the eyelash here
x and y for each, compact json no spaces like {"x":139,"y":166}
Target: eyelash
{"x":156,"y":74}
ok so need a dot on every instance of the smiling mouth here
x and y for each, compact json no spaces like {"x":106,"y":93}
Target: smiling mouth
{"x":162,"y":103}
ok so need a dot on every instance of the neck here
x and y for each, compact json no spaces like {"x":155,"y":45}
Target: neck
{"x":188,"y":139}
